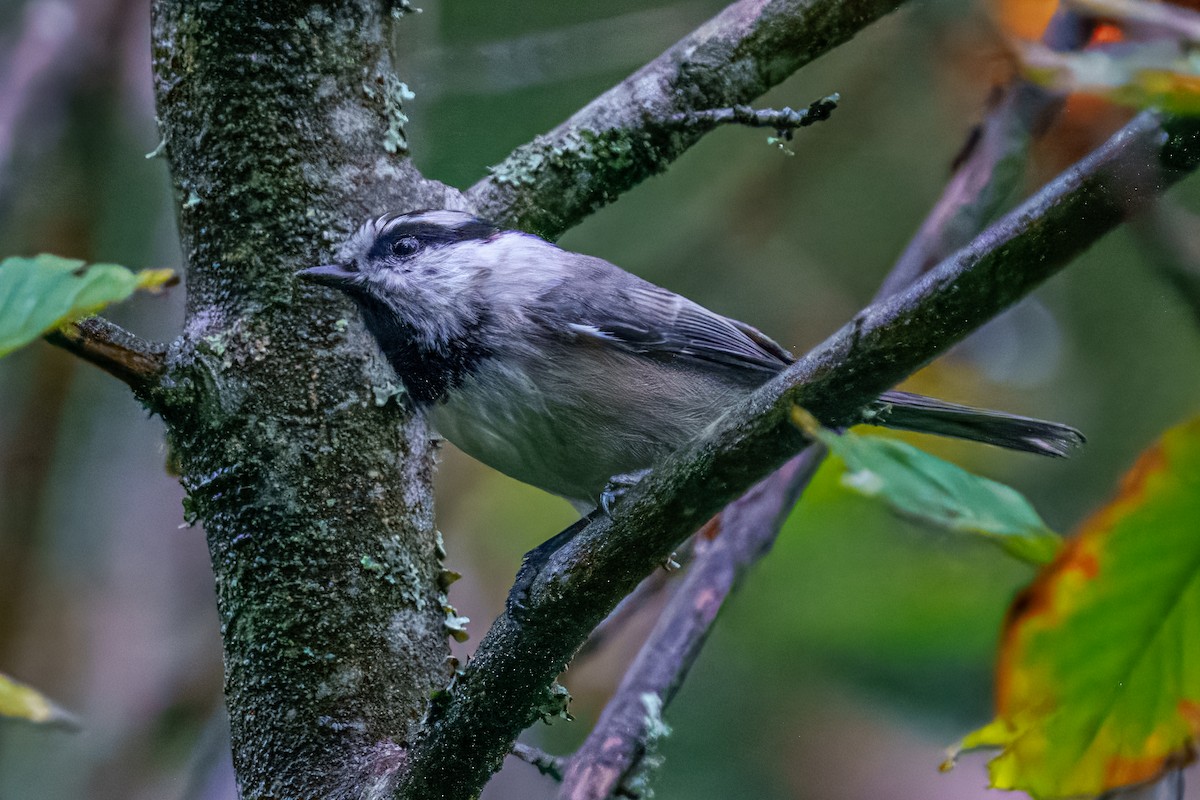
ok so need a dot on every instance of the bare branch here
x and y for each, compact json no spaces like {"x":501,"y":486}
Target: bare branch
{"x":625,"y":731}
{"x":134,"y":361}
{"x":498,"y":692}
{"x":990,"y":167}
{"x":626,"y":135}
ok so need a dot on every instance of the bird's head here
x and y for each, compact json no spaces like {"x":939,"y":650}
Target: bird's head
{"x":413,"y":275}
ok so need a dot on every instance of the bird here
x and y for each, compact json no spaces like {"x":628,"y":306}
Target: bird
{"x":568,"y":373}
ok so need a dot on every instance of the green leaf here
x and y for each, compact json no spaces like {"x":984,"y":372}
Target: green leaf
{"x":926,"y":488}
{"x":1098,"y":678}
{"x":18,"y":701}
{"x":41,"y":293}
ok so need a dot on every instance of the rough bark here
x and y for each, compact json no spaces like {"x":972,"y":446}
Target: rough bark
{"x":282,"y":128}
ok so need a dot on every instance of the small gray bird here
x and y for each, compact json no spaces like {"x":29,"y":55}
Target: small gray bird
{"x":568,"y":373}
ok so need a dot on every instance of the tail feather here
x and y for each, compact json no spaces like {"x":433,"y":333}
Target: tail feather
{"x":914,"y":412}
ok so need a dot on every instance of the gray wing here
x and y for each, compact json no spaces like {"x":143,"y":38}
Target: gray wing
{"x":604,"y":305}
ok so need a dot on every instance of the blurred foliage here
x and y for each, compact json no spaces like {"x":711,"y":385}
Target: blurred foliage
{"x":1142,"y":54}
{"x":854,"y":652}
{"x":1098,"y":684}
{"x":20,"y":701}
{"x":41,"y":293}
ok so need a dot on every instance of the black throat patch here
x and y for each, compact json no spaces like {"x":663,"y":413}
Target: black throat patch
{"x":429,"y":371}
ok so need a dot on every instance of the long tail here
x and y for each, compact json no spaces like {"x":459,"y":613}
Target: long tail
{"x":914,"y":412}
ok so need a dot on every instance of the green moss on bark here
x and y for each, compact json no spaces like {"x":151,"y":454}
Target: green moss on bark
{"x":315,"y":497}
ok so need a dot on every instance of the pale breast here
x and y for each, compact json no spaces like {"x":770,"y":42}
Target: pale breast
{"x":567,"y":431}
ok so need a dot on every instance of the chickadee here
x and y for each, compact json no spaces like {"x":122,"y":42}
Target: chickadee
{"x":562,"y":370}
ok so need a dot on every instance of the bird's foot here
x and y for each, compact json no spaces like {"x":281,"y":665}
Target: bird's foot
{"x":617,"y":486}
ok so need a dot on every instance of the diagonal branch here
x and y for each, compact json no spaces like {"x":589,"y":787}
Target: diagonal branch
{"x":615,"y":751}
{"x":625,"y":732}
{"x":496,"y":696}
{"x":134,"y":361}
{"x":627,"y":134}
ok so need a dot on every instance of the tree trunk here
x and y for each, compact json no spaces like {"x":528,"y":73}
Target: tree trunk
{"x":282,"y":124}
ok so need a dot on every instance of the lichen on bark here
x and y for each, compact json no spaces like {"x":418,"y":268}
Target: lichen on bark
{"x":315,"y":498}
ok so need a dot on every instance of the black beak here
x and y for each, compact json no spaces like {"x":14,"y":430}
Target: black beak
{"x":334,"y":275}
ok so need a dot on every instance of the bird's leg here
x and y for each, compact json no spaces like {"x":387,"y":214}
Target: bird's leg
{"x":535,"y":559}
{"x":616,"y":488}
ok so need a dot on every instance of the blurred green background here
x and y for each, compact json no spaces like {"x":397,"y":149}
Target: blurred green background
{"x":855,"y":652}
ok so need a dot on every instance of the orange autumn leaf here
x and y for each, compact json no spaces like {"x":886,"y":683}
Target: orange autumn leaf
{"x":1098,"y":680}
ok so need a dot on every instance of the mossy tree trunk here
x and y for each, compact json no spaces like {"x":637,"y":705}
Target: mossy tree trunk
{"x":282,"y":128}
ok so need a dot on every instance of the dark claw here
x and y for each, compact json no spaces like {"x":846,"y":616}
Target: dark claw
{"x":616,"y":488}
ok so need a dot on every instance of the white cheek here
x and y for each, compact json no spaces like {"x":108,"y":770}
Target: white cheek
{"x":428,"y":295}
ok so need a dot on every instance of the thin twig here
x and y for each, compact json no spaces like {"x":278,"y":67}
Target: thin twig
{"x":784,"y":120}
{"x":546,"y":764}
{"x":498,"y":692}
{"x":128,"y":358}
{"x":624,"y":136}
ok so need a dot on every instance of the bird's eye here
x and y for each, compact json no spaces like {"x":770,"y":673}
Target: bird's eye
{"x":405,"y":246}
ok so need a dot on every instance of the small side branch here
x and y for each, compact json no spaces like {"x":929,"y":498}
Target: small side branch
{"x":128,"y":358}
{"x":546,"y":764}
{"x":784,"y":120}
